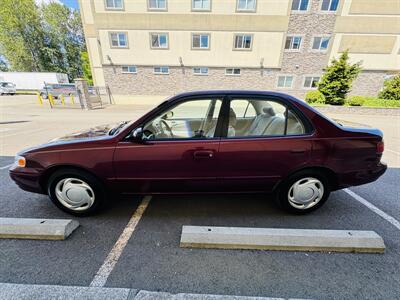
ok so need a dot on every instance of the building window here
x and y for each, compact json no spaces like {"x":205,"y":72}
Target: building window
{"x":200,"y":71}
{"x":285,"y":81}
{"x":159,"y":40}
{"x":300,"y":5}
{"x":119,"y":40}
{"x":129,"y":69}
{"x":232,"y":71}
{"x":200,"y":41}
{"x":311,"y":82}
{"x":320,"y":43}
{"x":201,"y":4}
{"x":114,"y":4}
{"x":161,"y":70}
{"x":157,"y":4}
{"x":329,"y":5}
{"x":243,"y":41}
{"x":293,"y":43}
{"x":246,"y":5}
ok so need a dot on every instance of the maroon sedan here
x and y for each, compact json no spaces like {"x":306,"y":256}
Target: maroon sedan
{"x":207,"y":142}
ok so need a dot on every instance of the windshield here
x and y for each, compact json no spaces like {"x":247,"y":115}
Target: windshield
{"x":6,"y":84}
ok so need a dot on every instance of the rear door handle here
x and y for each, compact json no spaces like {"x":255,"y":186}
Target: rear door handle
{"x":203,"y":154}
{"x":297,"y":151}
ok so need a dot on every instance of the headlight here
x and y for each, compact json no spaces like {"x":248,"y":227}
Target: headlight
{"x":20,"y":161}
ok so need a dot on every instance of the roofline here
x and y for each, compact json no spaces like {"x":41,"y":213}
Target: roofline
{"x":235,"y":92}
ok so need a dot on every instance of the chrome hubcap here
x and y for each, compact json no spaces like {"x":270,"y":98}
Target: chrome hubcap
{"x":305,"y":193}
{"x":74,"y":194}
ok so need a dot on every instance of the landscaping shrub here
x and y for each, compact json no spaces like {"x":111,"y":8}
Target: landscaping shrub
{"x":377,"y":102}
{"x":315,"y":97}
{"x":355,"y":100}
{"x":391,"y":90}
{"x":338,"y":79}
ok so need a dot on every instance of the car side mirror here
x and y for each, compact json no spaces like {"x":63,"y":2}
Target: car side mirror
{"x":137,"y":135}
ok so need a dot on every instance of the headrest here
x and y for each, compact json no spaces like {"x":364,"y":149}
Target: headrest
{"x":232,"y":117}
{"x":269,"y":111}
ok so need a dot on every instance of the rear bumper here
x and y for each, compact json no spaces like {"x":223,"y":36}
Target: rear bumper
{"x":28,"y":180}
{"x":362,"y":176}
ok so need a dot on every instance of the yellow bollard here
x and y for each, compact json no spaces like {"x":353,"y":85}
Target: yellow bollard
{"x":62,"y":99}
{"x":51,"y":99}
{"x":72,"y":99}
{"x":39,"y":98}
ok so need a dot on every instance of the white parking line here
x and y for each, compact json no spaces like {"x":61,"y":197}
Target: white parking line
{"x":6,"y":167}
{"x":372,"y":207}
{"x":105,"y":270}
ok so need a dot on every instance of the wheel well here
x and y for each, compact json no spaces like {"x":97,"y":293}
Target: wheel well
{"x":330,"y":175}
{"x":50,"y":171}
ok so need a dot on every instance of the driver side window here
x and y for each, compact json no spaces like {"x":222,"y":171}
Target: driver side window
{"x":190,"y":119}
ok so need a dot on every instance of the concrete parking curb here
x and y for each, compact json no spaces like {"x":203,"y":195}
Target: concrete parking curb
{"x":11,"y":291}
{"x":281,"y":239}
{"x":38,"y":229}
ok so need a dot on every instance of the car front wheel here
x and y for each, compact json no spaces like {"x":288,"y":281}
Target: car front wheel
{"x":76,"y":192}
{"x":303,"y":192}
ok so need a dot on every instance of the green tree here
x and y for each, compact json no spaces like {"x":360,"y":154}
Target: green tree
{"x":391,"y":89}
{"x":46,"y":38}
{"x":338,"y":78}
{"x":63,"y":29}
{"x":22,"y":37}
{"x":87,"y":72}
{"x":3,"y":65}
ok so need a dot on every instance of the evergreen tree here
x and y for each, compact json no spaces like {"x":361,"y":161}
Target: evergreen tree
{"x":338,"y":78}
{"x":391,"y":89}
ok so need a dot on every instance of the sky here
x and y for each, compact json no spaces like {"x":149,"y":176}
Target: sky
{"x":69,"y":3}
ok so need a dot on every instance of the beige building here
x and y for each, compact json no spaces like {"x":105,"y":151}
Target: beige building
{"x":147,"y":49}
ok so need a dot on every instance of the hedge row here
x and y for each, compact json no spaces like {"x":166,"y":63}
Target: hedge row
{"x":317,"y":98}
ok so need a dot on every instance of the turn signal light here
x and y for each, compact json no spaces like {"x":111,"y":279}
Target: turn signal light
{"x":380,"y":147}
{"x":20,"y":161}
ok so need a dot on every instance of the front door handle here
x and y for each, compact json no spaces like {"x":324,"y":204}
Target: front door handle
{"x":298,"y":151}
{"x":203,"y":154}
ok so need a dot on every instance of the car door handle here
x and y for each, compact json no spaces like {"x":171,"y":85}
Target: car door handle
{"x":203,"y":154}
{"x":297,"y":151}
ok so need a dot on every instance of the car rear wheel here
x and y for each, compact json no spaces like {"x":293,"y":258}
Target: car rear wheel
{"x":76,"y":192}
{"x":303,"y":192}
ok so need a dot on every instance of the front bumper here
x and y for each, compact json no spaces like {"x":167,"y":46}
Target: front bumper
{"x":27,"y":179}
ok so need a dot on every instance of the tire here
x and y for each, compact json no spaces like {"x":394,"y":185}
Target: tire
{"x":313,"y":190}
{"x":43,"y":95}
{"x":76,"y":192}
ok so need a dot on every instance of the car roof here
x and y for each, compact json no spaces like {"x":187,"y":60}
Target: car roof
{"x":234,"y":92}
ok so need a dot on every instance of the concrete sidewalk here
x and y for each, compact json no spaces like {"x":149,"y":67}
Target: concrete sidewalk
{"x":29,"y":291}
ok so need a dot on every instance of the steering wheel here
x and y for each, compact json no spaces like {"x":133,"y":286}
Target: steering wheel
{"x":163,"y":127}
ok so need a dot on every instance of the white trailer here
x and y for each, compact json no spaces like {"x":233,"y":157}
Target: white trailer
{"x":33,"y":80}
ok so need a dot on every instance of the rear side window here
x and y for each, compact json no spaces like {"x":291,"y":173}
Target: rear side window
{"x":271,"y":118}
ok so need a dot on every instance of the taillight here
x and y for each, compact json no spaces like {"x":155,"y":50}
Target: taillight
{"x":380,"y":147}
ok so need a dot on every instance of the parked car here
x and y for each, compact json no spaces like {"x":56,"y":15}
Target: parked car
{"x":58,"y":89}
{"x":7,"y":88}
{"x":206,"y":142}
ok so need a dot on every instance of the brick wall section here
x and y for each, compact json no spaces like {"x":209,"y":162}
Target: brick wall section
{"x":307,"y":61}
{"x":182,"y":79}
{"x":368,"y":83}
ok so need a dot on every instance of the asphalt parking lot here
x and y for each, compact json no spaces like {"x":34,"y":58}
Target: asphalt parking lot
{"x":152,"y":259}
